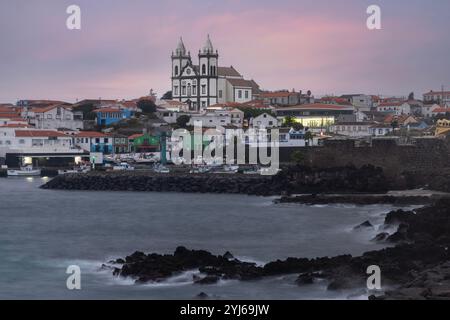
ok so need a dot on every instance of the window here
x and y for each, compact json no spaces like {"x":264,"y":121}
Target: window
{"x":203,"y":69}
{"x":240,"y":94}
{"x":8,"y":142}
{"x":189,"y":90}
{"x":68,"y":117}
{"x":220,"y":93}
{"x":246,"y":94}
{"x":194,"y":90}
{"x":175,"y":89}
{"x":183,"y":90}
{"x":21,"y":141}
{"x":203,"y":89}
{"x":97,"y":140}
{"x":106,"y":140}
{"x":176,"y":70}
{"x":49,"y":116}
{"x":203,"y":104}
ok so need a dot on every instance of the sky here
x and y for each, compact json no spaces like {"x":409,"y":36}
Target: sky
{"x":123,"y":48}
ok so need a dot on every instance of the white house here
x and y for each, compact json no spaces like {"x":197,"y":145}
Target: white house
{"x":380,"y":129}
{"x":397,"y":108}
{"x":25,"y":141}
{"x":264,"y":120}
{"x":54,"y":117}
{"x":93,"y":141}
{"x":352,"y":129}
{"x":216,"y":118}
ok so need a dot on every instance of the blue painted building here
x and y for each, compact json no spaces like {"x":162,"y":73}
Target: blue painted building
{"x":109,"y":116}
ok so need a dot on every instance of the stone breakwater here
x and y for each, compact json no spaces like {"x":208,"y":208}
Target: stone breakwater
{"x":290,"y":180}
{"x":418,"y":267}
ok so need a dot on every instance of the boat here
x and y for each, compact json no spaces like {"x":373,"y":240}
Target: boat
{"x":200,"y":169}
{"x":123,"y":167}
{"x":159,"y":168}
{"x":83,"y":169}
{"x":26,"y":171}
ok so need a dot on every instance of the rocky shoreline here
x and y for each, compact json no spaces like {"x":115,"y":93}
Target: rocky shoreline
{"x":417,"y":267}
{"x":359,"y":199}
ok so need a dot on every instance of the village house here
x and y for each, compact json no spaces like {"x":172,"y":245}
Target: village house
{"x":120,"y":143}
{"x":281,"y":98}
{"x":380,"y":129}
{"x":264,"y":120}
{"x":144,"y":142}
{"x":361,"y":102}
{"x":396,"y":108}
{"x":93,"y":141}
{"x":352,"y":129}
{"x":55,"y":117}
{"x":440,"y":97}
{"x":216,"y":118}
{"x":440,"y":111}
{"x":110,"y":115}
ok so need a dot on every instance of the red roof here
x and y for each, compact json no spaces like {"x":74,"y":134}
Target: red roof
{"x":280,"y":94}
{"x":134,"y":136}
{"x":315,"y":106}
{"x":108,"y":110}
{"x":15,"y":125}
{"x":39,"y":133}
{"x":391,"y":104}
{"x":441,"y":110}
{"x":432,"y":93}
{"x":91,"y":134}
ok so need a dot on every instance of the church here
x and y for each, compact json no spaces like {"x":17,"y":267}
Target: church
{"x":206,"y":83}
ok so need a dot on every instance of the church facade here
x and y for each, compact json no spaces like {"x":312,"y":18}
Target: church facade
{"x":206,"y":83}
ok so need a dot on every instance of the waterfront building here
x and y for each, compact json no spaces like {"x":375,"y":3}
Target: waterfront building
{"x":37,"y":146}
{"x":120,"y":143}
{"x":207,"y":83}
{"x":144,"y":142}
{"x":93,"y":141}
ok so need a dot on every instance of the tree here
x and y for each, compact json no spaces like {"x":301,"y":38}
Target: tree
{"x":394,"y":124}
{"x":308,"y":137}
{"x":298,"y":126}
{"x":297,"y":157}
{"x":167,"y":96}
{"x":411,"y":96}
{"x":289,"y":121}
{"x":146,"y":105}
{"x":182,"y":121}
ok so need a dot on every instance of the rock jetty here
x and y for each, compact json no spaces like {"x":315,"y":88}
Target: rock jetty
{"x":290,"y":180}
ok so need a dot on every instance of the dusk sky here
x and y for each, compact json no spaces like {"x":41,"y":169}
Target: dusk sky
{"x":124,"y":46}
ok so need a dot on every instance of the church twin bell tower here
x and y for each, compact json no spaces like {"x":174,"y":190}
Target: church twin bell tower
{"x":196,"y":85}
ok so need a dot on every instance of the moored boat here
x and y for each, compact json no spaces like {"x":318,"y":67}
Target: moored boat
{"x":26,"y":171}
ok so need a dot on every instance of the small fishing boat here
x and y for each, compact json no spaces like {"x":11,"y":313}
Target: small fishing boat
{"x":159,"y":168}
{"x":26,"y":171}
